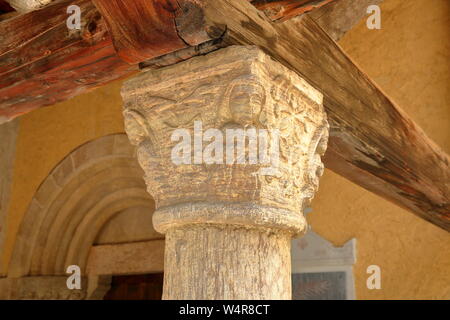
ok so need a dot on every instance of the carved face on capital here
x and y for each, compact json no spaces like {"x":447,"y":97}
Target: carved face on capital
{"x":315,"y":166}
{"x":135,"y":126}
{"x":246,"y":101}
{"x":140,"y":135}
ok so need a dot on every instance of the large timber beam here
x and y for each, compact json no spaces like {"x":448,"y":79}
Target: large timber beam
{"x":5,"y":7}
{"x":335,"y":17}
{"x":372,"y":143}
{"x":42,"y":62}
{"x":338,"y":17}
{"x":145,"y":29}
{"x":281,"y":10}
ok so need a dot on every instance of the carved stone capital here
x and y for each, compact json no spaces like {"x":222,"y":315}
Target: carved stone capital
{"x":244,"y":215}
{"x":209,"y":99}
{"x":230,"y":144}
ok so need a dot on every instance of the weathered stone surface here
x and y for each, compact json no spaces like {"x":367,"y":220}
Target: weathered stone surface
{"x":73,"y":205}
{"x":228,"y":224}
{"x":237,"y":87}
{"x":131,"y":225}
{"x":95,"y":149}
{"x":63,"y":171}
{"x":46,"y":191}
{"x":122,"y":146}
{"x":28,"y":5}
{"x":128,"y":258}
{"x":229,"y":263}
{"x":40,"y":288}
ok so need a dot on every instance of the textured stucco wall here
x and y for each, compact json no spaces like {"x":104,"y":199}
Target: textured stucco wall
{"x":408,"y":58}
{"x":8,"y":135}
{"x":47,"y":136}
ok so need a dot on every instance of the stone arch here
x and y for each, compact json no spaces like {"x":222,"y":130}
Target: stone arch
{"x":83,"y":192}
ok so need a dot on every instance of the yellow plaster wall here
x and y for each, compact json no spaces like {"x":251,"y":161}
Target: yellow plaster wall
{"x":409,"y":58}
{"x":47,"y":136}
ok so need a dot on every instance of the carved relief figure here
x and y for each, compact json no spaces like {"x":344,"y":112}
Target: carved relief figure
{"x":256,"y":97}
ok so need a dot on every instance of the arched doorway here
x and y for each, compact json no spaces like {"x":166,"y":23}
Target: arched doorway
{"x":94,"y":200}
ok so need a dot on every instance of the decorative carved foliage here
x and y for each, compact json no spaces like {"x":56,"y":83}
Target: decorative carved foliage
{"x":28,"y":5}
{"x":235,"y":88}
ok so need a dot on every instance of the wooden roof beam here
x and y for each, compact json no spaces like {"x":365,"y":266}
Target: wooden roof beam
{"x":42,"y":62}
{"x":338,"y":17}
{"x":282,"y":10}
{"x":372,"y":141}
{"x":144,"y":29}
{"x":335,"y":17}
{"x":35,"y":48}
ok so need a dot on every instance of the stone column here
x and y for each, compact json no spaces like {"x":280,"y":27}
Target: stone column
{"x":230,"y":144}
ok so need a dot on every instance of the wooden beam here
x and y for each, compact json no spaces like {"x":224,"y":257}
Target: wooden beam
{"x":373,"y":142}
{"x":141,"y":29}
{"x":183,"y":54}
{"x":42,"y":62}
{"x":282,"y":10}
{"x":5,"y":7}
{"x":338,"y":17}
{"x":6,"y":11}
{"x":335,"y":17}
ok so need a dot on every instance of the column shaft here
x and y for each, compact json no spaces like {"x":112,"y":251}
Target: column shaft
{"x":226,"y":262}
